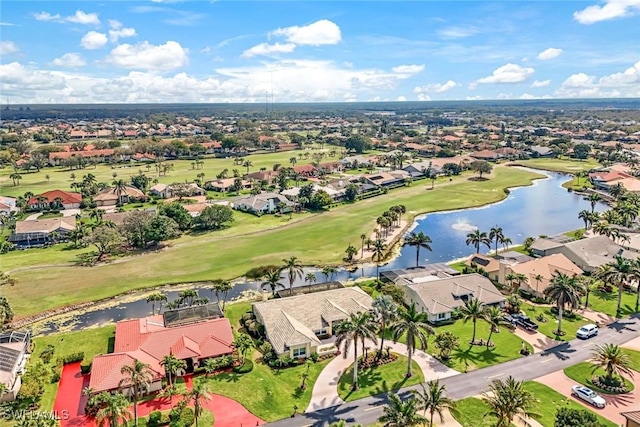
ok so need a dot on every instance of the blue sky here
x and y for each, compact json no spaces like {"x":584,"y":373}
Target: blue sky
{"x":309,"y":51}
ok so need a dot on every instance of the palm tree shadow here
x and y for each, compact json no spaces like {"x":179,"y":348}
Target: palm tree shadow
{"x":327,"y":416}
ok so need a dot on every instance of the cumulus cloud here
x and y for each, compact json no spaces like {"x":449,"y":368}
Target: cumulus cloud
{"x":322,"y":32}
{"x":118,"y":31}
{"x":8,"y":47}
{"x":146,"y":56}
{"x":408,"y":69}
{"x":611,"y":9}
{"x":69,"y":60}
{"x":269,"y":49}
{"x":401,"y":98}
{"x":93,"y":40}
{"x":423,"y":97}
{"x":550,"y":53}
{"x":80,"y":17}
{"x":435,"y":87}
{"x":508,"y":73}
{"x":621,"y":84}
{"x":541,"y":83}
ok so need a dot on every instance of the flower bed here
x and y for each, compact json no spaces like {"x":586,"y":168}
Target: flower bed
{"x":372,"y":360}
{"x":618,"y":387}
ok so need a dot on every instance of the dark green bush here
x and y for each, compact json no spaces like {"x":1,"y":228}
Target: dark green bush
{"x":71,"y":358}
{"x":568,"y":417}
{"x":245,"y":368}
{"x":47,"y":353}
{"x":85,"y":368}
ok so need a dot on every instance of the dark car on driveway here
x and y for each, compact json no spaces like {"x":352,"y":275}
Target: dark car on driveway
{"x":524,"y":322}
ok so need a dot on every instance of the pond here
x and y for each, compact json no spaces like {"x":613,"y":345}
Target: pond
{"x":542,"y":208}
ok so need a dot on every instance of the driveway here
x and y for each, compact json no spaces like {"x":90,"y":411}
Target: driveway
{"x":596,"y":316}
{"x":616,"y":403}
{"x":325,"y":390}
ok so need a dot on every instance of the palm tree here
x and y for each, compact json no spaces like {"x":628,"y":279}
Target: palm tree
{"x":358,"y":327}
{"x":593,"y":199}
{"x":472,"y":310}
{"x":379,"y":251}
{"x":272,"y":279}
{"x":494,"y":316}
{"x":294,"y":270}
{"x":137,"y":378}
{"x":477,"y":238}
{"x":199,"y":393}
{"x":419,"y":240}
{"x":157,"y":297}
{"x":585,"y":216}
{"x":613,"y":360}
{"x":564,"y":290}
{"x":187,"y":296}
{"x":362,"y":238}
{"x":496,"y":234}
{"x":617,"y":273}
{"x":115,"y":409}
{"x":507,"y":399}
{"x":172,"y":365}
{"x":401,"y":413}
{"x":310,"y":277}
{"x":243,"y":343}
{"x":414,"y":325}
{"x":247,"y":164}
{"x":222,"y":287}
{"x":120,"y":186}
{"x":432,"y":398}
{"x":328,"y":272}
{"x":538,"y":278}
{"x":385,"y":311}
{"x":506,"y":242}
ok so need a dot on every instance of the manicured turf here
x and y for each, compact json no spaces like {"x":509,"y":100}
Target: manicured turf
{"x":381,"y":379}
{"x":583,"y":372}
{"x":268,"y":393}
{"x":472,"y":412}
{"x":234,"y":312}
{"x":316,"y":239}
{"x":549,"y":401}
{"x":91,"y":341}
{"x":569,"y":326}
{"x":560,"y":165}
{"x":607,"y":302}
{"x":634,"y":356}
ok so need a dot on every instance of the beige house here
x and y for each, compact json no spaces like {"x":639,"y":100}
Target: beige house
{"x":539,"y":272}
{"x":592,"y":252}
{"x":488,"y":264}
{"x":110,"y":196}
{"x":295,"y":325}
{"x":42,"y":231}
{"x":632,"y":417}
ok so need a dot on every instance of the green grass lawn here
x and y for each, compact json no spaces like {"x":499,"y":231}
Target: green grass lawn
{"x":91,"y":341}
{"x":608,"y":302}
{"x":234,"y":312}
{"x":381,"y":379}
{"x":634,"y":357}
{"x":317,"y":239}
{"x":549,"y":401}
{"x":583,"y":372}
{"x":268,"y":393}
{"x":472,"y":412}
{"x":570,"y":326}
{"x":560,"y":165}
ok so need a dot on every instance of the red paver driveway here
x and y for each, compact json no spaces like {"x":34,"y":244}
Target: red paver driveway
{"x":70,"y":402}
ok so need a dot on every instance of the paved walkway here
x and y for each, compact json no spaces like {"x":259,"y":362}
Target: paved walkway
{"x":538,"y":340}
{"x":616,"y":403}
{"x":603,"y":319}
{"x":634,"y":344}
{"x":325,"y":390}
{"x":70,"y":403}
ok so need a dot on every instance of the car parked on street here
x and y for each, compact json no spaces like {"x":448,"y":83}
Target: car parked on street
{"x":587,"y":331}
{"x":588,"y":395}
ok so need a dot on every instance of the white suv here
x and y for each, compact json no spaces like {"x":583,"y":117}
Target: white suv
{"x":588,"y":396}
{"x":587,"y":331}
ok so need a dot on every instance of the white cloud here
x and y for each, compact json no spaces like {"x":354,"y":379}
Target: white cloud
{"x":149,"y":57}
{"x":117,"y":31}
{"x":621,"y":84}
{"x":7,"y":24}
{"x":269,"y":49}
{"x":611,"y":9}
{"x":541,"y":83}
{"x":401,"y":98}
{"x":80,"y":17}
{"x":69,"y":60}
{"x":508,"y":73}
{"x":435,"y":87}
{"x":8,"y":47}
{"x":423,"y":97}
{"x":93,"y":40}
{"x":408,"y":69}
{"x":322,"y":32}
{"x":458,"y":32}
{"x":550,"y":53}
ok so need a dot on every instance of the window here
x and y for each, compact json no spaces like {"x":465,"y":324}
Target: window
{"x":442,"y":316}
{"x":300,"y":352}
{"x":320,"y":332}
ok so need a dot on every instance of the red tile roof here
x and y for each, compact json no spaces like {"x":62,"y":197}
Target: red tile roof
{"x":85,"y":153}
{"x":66,"y":196}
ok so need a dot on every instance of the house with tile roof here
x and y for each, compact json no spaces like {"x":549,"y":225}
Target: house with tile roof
{"x":15,"y":347}
{"x":263,"y":203}
{"x":8,"y":205}
{"x":68,"y":199}
{"x":149,"y":341}
{"x":111,"y":196}
{"x":592,"y":252}
{"x":295,"y":326}
{"x":41,"y":231}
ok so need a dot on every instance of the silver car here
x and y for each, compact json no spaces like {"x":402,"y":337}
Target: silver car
{"x":587,"y":331}
{"x":588,"y":396}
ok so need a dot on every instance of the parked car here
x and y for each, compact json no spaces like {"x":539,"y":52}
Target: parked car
{"x":587,"y":331}
{"x":588,"y":396}
{"x":523,"y":321}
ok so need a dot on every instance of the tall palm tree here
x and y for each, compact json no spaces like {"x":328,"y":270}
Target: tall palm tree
{"x":153,"y":299}
{"x":379,"y":251}
{"x":222,"y":287}
{"x":618,"y":273}
{"x":247,"y":164}
{"x":294,"y":270}
{"x":432,"y":398}
{"x":414,"y":325}
{"x":477,"y":238}
{"x":272,"y":279}
{"x":419,"y":240}
{"x":494,"y":316}
{"x":564,"y":290}
{"x":172,"y":365}
{"x":120,"y":187}
{"x":585,"y":216}
{"x":384,"y":311}
{"x":200,"y":392}
{"x":401,"y":413}
{"x":363,"y":237}
{"x":472,"y":310}
{"x":613,"y":360}
{"x":137,"y":378}
{"x":496,"y":234}
{"x":538,"y":278}
{"x":243,"y":343}
{"x":115,"y":409}
{"x":507,"y":399}
{"x":593,"y":199}
{"x":358,"y":327}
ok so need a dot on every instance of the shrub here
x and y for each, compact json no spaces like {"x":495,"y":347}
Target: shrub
{"x":245,"y":368}
{"x":569,"y":417}
{"x":182,"y":417}
{"x":154,"y":418}
{"x":85,"y":368}
{"x":47,"y":353}
{"x":71,"y":358}
{"x":55,"y":375}
{"x":314,"y":357}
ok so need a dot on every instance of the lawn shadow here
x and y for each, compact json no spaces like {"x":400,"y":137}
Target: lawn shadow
{"x":231,"y":377}
{"x":366,"y":378}
{"x":297,"y":394}
{"x":111,"y":344}
{"x":470,"y":359}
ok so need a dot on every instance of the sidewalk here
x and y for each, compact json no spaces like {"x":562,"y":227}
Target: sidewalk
{"x":539,"y":341}
{"x":603,"y":319}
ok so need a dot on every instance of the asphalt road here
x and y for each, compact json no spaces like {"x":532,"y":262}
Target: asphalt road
{"x":368,"y":410}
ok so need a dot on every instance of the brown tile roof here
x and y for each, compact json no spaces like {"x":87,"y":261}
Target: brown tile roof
{"x":546,"y":267}
{"x":66,"y":196}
